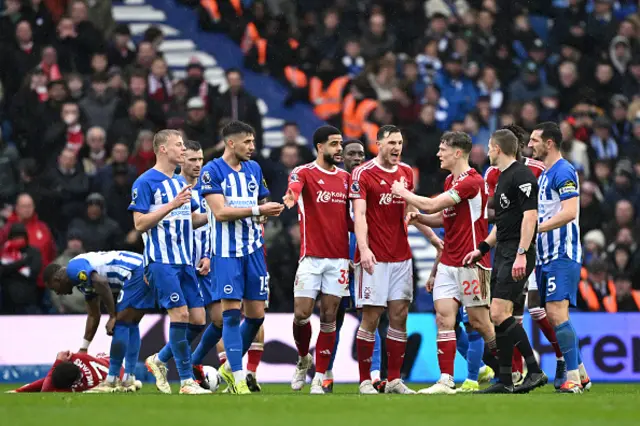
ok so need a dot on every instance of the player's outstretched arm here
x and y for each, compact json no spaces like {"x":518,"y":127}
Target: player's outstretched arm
{"x":426,"y":230}
{"x":145,"y":221}
{"x":93,"y":321}
{"x":198,"y":219}
{"x":568,"y":212}
{"x":428,"y":205}
{"x":101,"y":286}
{"x":224,"y":213}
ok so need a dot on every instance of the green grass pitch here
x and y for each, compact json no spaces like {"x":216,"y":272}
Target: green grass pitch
{"x":606,"y":404}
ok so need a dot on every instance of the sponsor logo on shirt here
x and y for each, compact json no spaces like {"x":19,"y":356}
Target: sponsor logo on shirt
{"x":569,"y":187}
{"x":331,"y":197}
{"x":504,"y":201}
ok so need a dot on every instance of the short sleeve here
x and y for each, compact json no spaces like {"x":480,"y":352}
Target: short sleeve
{"x":263,"y":190}
{"x":527,"y":190}
{"x":140,"y":197}
{"x":210,"y":181}
{"x":194,"y":204}
{"x":565,"y":183}
{"x":491,"y":179}
{"x":358,"y":186}
{"x":465,"y":189}
{"x":297,"y":180}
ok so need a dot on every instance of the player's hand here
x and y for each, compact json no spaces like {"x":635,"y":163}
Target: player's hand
{"x":271,"y":209}
{"x":204,"y":266}
{"x":110,"y":326}
{"x":289,"y":198}
{"x":368,"y":261}
{"x":437,"y":243}
{"x":412,"y":218}
{"x":430,"y":283}
{"x":399,"y":189}
{"x":472,"y":257}
{"x":183,"y":197}
{"x":519,"y":269}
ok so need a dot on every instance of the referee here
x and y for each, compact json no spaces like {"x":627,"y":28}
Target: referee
{"x":516,"y":207}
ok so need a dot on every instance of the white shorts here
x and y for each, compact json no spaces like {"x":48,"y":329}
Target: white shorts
{"x":390,"y":281}
{"x":327,"y":276}
{"x":532,"y":284}
{"x":461,"y":284}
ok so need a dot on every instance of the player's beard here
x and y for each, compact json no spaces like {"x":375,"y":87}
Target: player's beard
{"x":328,"y":158}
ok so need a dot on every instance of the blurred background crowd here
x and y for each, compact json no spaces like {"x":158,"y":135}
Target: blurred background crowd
{"x":79,"y":103}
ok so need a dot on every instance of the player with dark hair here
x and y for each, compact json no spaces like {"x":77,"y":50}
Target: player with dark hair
{"x":320,"y":189}
{"x":122,"y":272}
{"x":71,"y":372}
{"x":514,"y":231}
{"x":537,"y":313}
{"x":236,"y":193}
{"x":559,"y":248}
{"x":384,"y":272}
{"x":460,"y":209}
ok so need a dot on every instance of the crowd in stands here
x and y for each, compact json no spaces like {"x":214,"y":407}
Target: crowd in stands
{"x":80,"y":103}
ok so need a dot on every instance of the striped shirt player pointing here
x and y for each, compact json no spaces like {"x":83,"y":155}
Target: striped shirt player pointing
{"x":162,"y":208}
{"x":384,"y":272}
{"x":559,"y":249}
{"x":321,"y":191}
{"x":234,"y":187}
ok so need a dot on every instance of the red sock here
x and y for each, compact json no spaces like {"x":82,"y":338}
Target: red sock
{"x":302,"y":336}
{"x":222,"y":356}
{"x":324,"y":346}
{"x":396,"y":345}
{"x":365,"y":341}
{"x":446,"y":343}
{"x":539,"y":315}
{"x":516,"y":361}
{"x":254,"y":356}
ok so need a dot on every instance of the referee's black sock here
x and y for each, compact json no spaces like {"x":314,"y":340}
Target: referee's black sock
{"x":489,"y":357}
{"x":521,"y":341}
{"x":505,"y":350}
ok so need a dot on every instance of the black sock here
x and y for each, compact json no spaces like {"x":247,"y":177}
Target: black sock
{"x":490,"y":359}
{"x":505,"y":350}
{"x":521,"y":341}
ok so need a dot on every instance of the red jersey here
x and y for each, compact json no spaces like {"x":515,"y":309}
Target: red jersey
{"x":93,"y":370}
{"x":493,"y":173}
{"x":323,"y":210}
{"x":388,"y":237}
{"x":465,"y":224}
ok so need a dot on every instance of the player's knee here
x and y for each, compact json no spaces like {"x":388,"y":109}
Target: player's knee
{"x":533,"y":300}
{"x":498,"y":315}
{"x":301,"y":314}
{"x":179,"y":315}
{"x":445,"y":322}
{"x":327,"y":315}
{"x":556,"y":313}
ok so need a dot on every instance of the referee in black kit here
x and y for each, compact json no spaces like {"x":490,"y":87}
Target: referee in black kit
{"x":516,"y":207}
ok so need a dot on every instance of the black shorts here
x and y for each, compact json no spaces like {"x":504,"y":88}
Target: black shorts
{"x":503,"y":286}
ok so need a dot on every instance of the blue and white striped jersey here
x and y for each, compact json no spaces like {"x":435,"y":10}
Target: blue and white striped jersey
{"x":558,"y":183}
{"x":202,"y":235}
{"x":171,"y":240}
{"x":116,"y":266}
{"x":240,"y":189}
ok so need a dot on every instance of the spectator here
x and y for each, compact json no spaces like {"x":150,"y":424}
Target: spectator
{"x":282,"y":262}
{"x":604,"y":146}
{"x":591,"y":211}
{"x":38,"y":232}
{"x":143,"y":157}
{"x":594,"y":246}
{"x":528,"y":87}
{"x":326,"y":41}
{"x":624,"y":186}
{"x":237,"y":104}
{"x":352,"y":61}
{"x":622,"y":128}
{"x":97,"y":230}
{"x":423,"y":141}
{"x":489,"y":85}
{"x":20,"y":265}
{"x":89,"y":38}
{"x":631,"y":84}
{"x":67,"y":186}
{"x":73,"y":303}
{"x":159,"y":85}
{"x":117,"y":201}
{"x":620,"y":54}
{"x":624,"y":299}
{"x":198,"y":86}
{"x":624,"y":217}
{"x":574,"y":150}
{"x":198,"y":126}
{"x":601,"y":24}
{"x":94,"y":157}
{"x":291,"y":136}
{"x":9,"y":175}
{"x":119,"y":54}
{"x":377,"y":40}
{"x":104,"y":179}
{"x":126,"y":129}
{"x":456,"y":88}
{"x":594,"y":287}
{"x":99,"y":106}
{"x":65,"y":133}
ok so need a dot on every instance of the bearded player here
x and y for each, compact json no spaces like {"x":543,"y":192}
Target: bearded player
{"x":321,"y":191}
{"x":71,"y":372}
{"x":461,"y":210}
{"x":354,"y":155}
{"x":538,"y":314}
{"x":384,"y":271}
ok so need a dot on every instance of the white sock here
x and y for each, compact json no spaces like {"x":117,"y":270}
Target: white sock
{"x":239,"y":375}
{"x":573,"y":376}
{"x":328,"y":375}
{"x":184,"y":382}
{"x":156,"y":359}
{"x":375,"y":375}
{"x":111,"y":379}
{"x":318,"y":376}
{"x":445,"y":378}
{"x":583,"y":372}
{"x":125,"y":377}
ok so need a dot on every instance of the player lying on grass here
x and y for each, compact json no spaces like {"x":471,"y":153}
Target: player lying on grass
{"x":96,"y":274}
{"x":461,"y":211}
{"x":72,"y":372}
